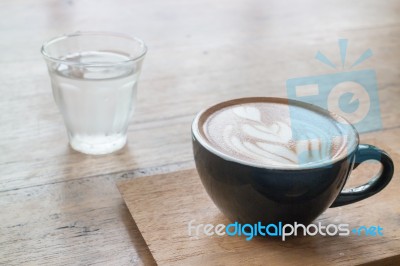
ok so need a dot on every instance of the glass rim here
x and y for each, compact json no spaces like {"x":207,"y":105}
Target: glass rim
{"x":47,"y":56}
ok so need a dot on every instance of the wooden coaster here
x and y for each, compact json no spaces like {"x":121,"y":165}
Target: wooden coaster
{"x":163,"y":205}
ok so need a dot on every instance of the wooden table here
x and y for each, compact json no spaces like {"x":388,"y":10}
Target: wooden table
{"x":58,"y":206}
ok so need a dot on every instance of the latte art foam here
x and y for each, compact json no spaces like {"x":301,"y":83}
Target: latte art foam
{"x":265,"y":133}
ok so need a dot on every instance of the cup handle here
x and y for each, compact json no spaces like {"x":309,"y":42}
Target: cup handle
{"x":374,"y":185}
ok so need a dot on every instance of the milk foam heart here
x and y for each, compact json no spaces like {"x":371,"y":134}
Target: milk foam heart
{"x":276,"y":134}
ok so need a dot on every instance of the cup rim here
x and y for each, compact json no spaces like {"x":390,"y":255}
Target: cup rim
{"x":318,"y":164}
{"x":53,"y":40}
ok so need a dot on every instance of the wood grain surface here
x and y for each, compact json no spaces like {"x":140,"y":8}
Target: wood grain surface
{"x":200,"y":53}
{"x":164,"y":205}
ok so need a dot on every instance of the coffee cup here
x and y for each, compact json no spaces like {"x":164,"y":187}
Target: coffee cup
{"x":272,"y":160}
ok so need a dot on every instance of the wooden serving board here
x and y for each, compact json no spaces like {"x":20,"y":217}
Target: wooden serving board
{"x":163,"y":205}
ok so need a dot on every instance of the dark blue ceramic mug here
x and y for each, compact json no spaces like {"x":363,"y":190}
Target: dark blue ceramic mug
{"x":250,"y":193}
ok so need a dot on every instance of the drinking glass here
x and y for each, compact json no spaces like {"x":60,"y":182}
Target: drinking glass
{"x":94,"y":78}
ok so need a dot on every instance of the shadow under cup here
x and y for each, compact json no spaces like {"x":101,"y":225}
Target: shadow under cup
{"x":251,"y":193}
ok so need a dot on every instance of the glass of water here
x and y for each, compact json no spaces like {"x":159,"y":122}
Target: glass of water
{"x":94,"y":78}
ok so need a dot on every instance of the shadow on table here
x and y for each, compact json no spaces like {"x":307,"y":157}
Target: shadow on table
{"x":136,"y":237}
